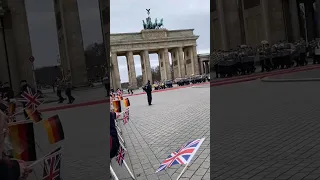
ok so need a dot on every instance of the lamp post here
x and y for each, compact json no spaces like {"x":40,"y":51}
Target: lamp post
{"x":2,"y":13}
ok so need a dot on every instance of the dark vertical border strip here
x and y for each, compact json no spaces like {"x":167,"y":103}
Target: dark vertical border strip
{"x":211,"y":63}
{"x":104,"y":6}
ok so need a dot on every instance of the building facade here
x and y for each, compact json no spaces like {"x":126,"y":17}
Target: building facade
{"x":236,"y":22}
{"x":181,"y":44}
{"x":15,"y":45}
{"x":70,"y":41}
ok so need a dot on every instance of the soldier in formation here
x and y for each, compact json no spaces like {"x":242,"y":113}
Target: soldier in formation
{"x":69,"y":87}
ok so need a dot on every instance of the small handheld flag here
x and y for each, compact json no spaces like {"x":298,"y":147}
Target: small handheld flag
{"x":51,"y":168}
{"x":23,"y":142}
{"x":120,"y":156}
{"x":117,"y":106}
{"x":126,"y":102}
{"x":31,"y":99}
{"x":35,"y":115}
{"x":54,"y":129}
{"x":182,"y":156}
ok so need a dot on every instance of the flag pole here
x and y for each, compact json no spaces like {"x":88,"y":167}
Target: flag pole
{"x":183,"y":170}
{"x":127,"y":167}
{"x":113,"y":173}
{"x":43,"y":158}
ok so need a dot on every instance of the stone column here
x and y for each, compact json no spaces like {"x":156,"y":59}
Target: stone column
{"x":71,"y":29}
{"x":131,"y":70}
{"x":181,"y":63}
{"x":115,"y":70}
{"x":194,"y":60}
{"x":4,"y":74}
{"x":145,"y":65}
{"x":295,"y":19}
{"x":174,"y":63}
{"x":167,"y":64}
{"x":265,"y":17}
{"x":222,"y":22}
{"x":202,"y":66}
{"x":163,"y":72}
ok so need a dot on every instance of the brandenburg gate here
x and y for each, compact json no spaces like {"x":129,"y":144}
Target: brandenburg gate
{"x":153,"y":39}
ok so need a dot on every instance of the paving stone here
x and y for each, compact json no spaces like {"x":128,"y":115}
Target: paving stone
{"x":270,"y":129}
{"x":153,"y":130}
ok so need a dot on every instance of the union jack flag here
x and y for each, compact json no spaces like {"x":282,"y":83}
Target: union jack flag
{"x":117,"y":115}
{"x":120,"y":156}
{"x":51,"y":170}
{"x":126,"y":117}
{"x":31,"y":99}
{"x":182,"y":156}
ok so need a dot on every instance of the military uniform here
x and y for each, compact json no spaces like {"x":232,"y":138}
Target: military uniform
{"x":69,"y":87}
{"x":60,"y":87}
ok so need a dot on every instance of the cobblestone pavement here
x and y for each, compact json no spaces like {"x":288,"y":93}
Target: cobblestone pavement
{"x":154,"y":132}
{"x":265,"y":131}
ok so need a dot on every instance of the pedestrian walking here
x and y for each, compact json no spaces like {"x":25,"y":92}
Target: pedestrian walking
{"x":60,"y":86}
{"x":68,"y":82}
{"x":148,"y":89}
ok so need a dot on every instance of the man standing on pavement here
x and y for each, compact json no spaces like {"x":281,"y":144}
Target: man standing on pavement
{"x":69,"y":87}
{"x":148,"y":89}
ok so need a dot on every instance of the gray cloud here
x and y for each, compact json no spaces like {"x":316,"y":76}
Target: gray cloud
{"x":126,"y":16}
{"x":43,"y":33}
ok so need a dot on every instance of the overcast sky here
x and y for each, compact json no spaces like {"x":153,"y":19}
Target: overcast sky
{"x":43,"y":31}
{"x":126,"y":16}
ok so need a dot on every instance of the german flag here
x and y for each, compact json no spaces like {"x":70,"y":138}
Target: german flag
{"x":11,"y":108}
{"x":35,"y":116}
{"x":54,"y":129}
{"x":126,"y":102}
{"x":116,"y":106}
{"x":22,"y":140}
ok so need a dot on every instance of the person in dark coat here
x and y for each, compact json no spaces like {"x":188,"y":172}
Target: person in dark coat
{"x":114,"y":141}
{"x":148,"y":89}
{"x":7,"y":92}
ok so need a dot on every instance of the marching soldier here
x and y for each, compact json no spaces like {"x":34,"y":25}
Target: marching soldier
{"x":69,"y":87}
{"x":60,"y":86}
{"x":303,"y":53}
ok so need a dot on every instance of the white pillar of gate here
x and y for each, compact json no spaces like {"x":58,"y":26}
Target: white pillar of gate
{"x":115,"y":69}
{"x":131,"y":70}
{"x":194,"y":60}
{"x":181,"y":62}
{"x":202,"y":66}
{"x":164,"y":64}
{"x":145,"y":66}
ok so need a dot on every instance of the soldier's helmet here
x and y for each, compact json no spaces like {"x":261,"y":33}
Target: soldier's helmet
{"x":264,"y":42}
